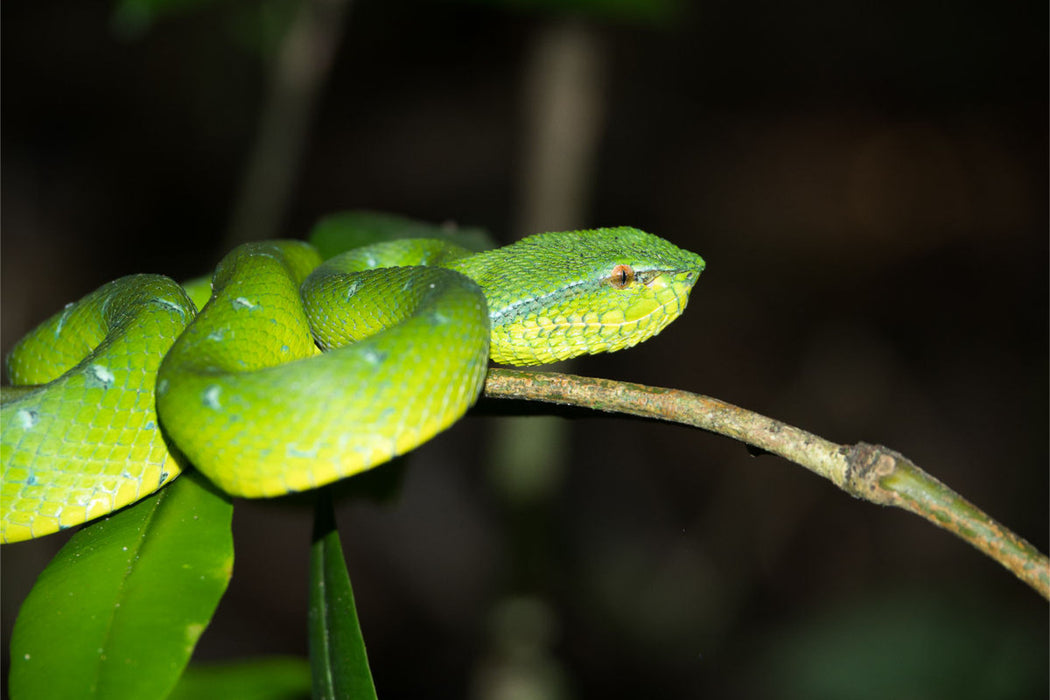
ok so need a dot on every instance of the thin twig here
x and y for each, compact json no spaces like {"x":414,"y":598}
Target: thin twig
{"x":871,"y":472}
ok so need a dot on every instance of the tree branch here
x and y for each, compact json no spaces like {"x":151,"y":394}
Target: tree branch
{"x":870,"y":472}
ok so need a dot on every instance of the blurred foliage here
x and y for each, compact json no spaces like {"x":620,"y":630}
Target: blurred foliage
{"x":261,"y":23}
{"x":656,"y":12}
{"x":910,"y":645}
{"x":254,"y":25}
{"x":132,"y":18}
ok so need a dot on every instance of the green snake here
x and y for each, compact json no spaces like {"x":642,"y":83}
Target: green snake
{"x":297,"y":371}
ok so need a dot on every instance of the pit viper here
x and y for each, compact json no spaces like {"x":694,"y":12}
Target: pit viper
{"x":297,"y":371}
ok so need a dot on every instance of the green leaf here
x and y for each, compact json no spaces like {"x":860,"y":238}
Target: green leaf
{"x":337,"y":649}
{"x":199,"y":290}
{"x":273,"y":678}
{"x":117,"y":612}
{"x":352,"y":229}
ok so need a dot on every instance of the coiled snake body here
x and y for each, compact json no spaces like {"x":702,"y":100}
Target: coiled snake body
{"x":119,"y":382}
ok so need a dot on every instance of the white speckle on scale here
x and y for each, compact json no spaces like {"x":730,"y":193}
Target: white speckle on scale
{"x":68,"y":309}
{"x":242,"y":303}
{"x":293,"y":451}
{"x":101,"y":375}
{"x":26,"y":418}
{"x":168,"y":303}
{"x":211,"y":397}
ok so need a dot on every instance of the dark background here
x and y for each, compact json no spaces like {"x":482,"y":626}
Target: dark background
{"x":868,"y":183}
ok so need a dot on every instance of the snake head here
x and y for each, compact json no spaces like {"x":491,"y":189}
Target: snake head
{"x":559,"y":295}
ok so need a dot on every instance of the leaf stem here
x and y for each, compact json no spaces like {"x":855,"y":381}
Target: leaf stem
{"x":338,"y":658}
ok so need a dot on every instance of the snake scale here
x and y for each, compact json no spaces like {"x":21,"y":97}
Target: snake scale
{"x":297,"y":371}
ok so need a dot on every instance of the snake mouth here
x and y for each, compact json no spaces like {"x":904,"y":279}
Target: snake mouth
{"x":688,"y":275}
{"x":683,"y":280}
{"x":647,"y":277}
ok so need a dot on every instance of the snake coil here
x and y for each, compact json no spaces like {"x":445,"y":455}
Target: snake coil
{"x":109,"y":390}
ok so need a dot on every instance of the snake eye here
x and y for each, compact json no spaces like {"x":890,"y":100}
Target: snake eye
{"x":621,"y":276}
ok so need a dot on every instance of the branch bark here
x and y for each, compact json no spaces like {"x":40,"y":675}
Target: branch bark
{"x":871,"y":472}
